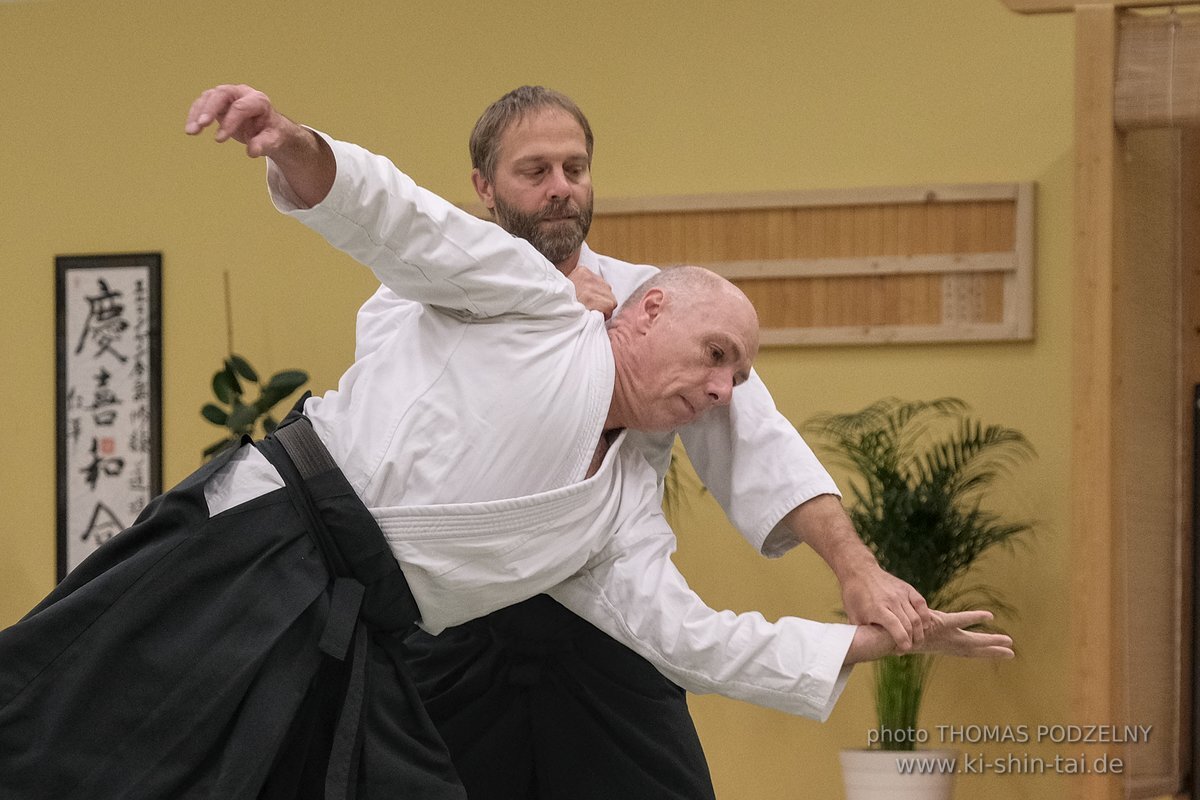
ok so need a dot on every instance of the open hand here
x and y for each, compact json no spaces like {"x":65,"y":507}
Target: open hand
{"x":947,"y":634}
{"x":244,"y":114}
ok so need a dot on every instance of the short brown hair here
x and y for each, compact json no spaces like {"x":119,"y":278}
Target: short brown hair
{"x":510,"y":109}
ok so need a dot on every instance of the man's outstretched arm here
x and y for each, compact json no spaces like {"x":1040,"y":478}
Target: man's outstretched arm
{"x":776,"y":492}
{"x":246,"y":115}
{"x":418,"y":244}
{"x":870,"y":596}
{"x":632,"y":591}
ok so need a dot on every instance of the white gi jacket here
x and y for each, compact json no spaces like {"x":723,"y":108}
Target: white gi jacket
{"x":747,"y":454}
{"x":467,"y":424}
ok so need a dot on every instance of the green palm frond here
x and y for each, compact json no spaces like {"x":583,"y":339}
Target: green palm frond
{"x":920,"y":471}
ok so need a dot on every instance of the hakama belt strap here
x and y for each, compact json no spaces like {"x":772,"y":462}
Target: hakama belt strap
{"x":369,"y":592}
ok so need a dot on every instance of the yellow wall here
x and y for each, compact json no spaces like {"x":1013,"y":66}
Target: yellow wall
{"x":696,"y":96}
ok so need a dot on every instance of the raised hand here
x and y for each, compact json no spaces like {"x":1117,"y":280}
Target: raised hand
{"x":244,"y":114}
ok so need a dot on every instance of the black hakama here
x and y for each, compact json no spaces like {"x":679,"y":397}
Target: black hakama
{"x":536,"y":702}
{"x":255,"y":654}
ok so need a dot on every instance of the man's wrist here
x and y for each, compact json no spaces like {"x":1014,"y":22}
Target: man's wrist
{"x":870,"y":642}
{"x":850,"y":559}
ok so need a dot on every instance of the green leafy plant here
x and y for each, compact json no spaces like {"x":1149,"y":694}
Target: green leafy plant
{"x":921,"y":470}
{"x":240,"y":417}
{"x":235,"y":414}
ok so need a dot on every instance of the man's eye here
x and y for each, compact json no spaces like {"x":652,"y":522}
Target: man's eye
{"x":716,"y":353}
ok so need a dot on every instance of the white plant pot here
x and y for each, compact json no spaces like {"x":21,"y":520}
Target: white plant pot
{"x":875,"y":775}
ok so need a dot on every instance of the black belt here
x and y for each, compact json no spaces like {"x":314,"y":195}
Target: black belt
{"x":369,"y":590}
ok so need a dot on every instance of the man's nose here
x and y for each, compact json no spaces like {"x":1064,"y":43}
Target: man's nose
{"x":720,"y":387}
{"x":558,"y":185}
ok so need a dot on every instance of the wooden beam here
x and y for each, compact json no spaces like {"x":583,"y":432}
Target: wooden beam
{"x":1060,"y":6}
{"x":968,"y":263}
{"x":1095,"y":594}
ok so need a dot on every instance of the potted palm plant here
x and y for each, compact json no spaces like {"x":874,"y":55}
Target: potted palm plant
{"x":920,"y":471}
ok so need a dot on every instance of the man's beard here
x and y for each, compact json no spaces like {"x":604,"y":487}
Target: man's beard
{"x":556,"y":240}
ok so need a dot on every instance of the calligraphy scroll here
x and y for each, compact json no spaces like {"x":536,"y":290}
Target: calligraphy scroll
{"x":109,"y":395}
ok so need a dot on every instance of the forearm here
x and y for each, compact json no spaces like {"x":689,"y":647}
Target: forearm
{"x":823,"y":525}
{"x":307,"y":163}
{"x":870,"y":596}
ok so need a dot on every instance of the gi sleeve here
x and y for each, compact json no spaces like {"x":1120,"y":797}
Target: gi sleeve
{"x":754,"y":462}
{"x":424,"y":248}
{"x":377,"y":320}
{"x":632,"y":591}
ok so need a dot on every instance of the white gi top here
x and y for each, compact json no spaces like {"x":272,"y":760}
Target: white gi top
{"x":747,"y":454}
{"x":467,"y":424}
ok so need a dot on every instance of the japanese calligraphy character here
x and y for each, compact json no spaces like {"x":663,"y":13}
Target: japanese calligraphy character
{"x":110,"y":466}
{"x":104,"y":323}
{"x":103,"y":525}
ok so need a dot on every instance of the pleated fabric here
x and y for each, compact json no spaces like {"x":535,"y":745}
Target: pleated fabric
{"x":256,"y":654}
{"x":535,"y":703}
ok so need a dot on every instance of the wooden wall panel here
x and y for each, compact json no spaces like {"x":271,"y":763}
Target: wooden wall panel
{"x":1158,"y":70}
{"x":1151,"y":402}
{"x":853,"y":266}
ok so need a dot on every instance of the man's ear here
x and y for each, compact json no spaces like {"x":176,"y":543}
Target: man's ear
{"x":484,"y":188}
{"x":651,"y":308}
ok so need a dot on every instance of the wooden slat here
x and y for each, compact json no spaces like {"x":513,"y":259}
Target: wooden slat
{"x":810,"y":198}
{"x":873,"y":265}
{"x":1096,"y":667}
{"x":1189,"y":348}
{"x":882,"y":334}
{"x":1019,"y":294}
{"x":689,"y":236}
{"x":1057,"y":6}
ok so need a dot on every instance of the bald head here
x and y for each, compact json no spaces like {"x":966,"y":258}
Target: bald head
{"x":681,"y":342}
{"x":692,"y":286}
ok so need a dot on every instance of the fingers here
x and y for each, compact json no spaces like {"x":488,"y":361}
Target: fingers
{"x":898,"y":628}
{"x":988,"y":645}
{"x":244,"y":116}
{"x":211,"y":104}
{"x":961,"y":619}
{"x":193,"y":125}
{"x":592,"y":291}
{"x":877,"y":597}
{"x":915,"y":624}
{"x":924,"y":612}
{"x":949,"y":635}
{"x":234,"y":107}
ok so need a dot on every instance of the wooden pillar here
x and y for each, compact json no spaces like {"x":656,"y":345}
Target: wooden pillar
{"x":1095,"y":534}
